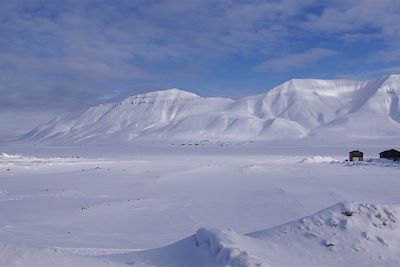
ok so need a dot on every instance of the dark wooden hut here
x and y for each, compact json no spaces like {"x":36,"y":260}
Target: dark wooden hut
{"x":356,"y":155}
{"x":392,"y":154}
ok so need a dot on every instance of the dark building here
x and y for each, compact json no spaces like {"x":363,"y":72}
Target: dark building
{"x":392,"y":154}
{"x":356,"y":155}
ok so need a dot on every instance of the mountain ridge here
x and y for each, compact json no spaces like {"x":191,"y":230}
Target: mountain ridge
{"x":295,"y":109}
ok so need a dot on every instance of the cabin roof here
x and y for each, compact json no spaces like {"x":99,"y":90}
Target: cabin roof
{"x":390,"y":150}
{"x":356,"y":152}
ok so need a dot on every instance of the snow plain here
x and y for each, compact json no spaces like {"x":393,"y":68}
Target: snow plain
{"x":168,"y":204}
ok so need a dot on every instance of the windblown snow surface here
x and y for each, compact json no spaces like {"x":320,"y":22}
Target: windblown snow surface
{"x":297,"y":109}
{"x":346,"y":234}
{"x":69,"y":206}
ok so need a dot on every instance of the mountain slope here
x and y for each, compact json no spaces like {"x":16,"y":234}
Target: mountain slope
{"x":373,"y":109}
{"x":295,"y":109}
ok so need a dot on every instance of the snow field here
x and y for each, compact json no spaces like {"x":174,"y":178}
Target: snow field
{"x":125,"y":210}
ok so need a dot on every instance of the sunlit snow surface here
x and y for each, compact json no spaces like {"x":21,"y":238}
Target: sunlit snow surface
{"x":230,"y":205}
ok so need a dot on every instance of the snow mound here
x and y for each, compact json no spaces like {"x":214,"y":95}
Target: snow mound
{"x":227,"y":247}
{"x":346,"y":234}
{"x":319,"y":159}
{"x":5,"y":156}
{"x":373,"y":162}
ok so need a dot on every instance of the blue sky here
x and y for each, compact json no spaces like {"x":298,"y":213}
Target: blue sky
{"x":61,"y":56}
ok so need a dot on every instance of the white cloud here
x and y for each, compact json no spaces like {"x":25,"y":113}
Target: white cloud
{"x":358,"y":17}
{"x":296,"y":60}
{"x":67,"y":51}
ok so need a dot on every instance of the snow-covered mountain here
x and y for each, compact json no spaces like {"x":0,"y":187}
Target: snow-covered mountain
{"x":296,"y":109}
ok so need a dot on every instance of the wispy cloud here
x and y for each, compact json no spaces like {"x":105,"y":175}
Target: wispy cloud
{"x":357,"y":16}
{"x":387,"y":55}
{"x":296,"y":60}
{"x":66,"y":52}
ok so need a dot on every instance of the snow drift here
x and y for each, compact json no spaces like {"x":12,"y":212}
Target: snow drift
{"x":346,"y":234}
{"x":296,"y":109}
{"x":319,"y":159}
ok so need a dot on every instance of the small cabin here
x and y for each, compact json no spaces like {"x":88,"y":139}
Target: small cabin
{"x":356,"y":155}
{"x":392,"y":154}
